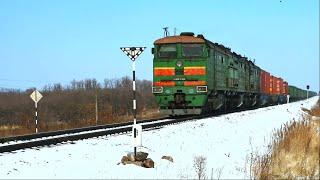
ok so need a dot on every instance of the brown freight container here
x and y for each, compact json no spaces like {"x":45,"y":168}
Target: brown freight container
{"x":268,"y":85}
{"x":265,"y":82}
{"x":280,"y":85}
{"x":276,"y":85}
{"x":272,"y":84}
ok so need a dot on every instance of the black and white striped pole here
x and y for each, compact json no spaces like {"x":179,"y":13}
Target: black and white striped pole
{"x":36,"y":96}
{"x":36,"y":115}
{"x":133,"y":53}
{"x":134,"y":102}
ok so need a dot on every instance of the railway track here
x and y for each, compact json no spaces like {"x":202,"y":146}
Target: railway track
{"x":14,"y":143}
{"x":10,"y":144}
{"x":70,"y":131}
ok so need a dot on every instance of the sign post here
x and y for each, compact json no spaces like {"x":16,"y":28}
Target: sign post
{"x":133,"y":53}
{"x":36,"y":96}
{"x":308,"y":91}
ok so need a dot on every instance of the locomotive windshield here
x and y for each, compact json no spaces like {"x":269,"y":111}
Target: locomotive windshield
{"x":192,"y":50}
{"x":168,"y":51}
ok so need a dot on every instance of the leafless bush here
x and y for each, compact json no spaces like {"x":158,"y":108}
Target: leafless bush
{"x":199,"y":164}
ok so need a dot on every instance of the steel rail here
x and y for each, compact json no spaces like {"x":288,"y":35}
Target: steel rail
{"x":70,"y":131}
{"x":75,"y":137}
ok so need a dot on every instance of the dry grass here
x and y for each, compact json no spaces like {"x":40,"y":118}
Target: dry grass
{"x":315,"y":111}
{"x":294,"y":152}
{"x":15,"y":130}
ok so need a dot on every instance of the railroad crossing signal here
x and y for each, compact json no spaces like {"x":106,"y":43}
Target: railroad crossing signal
{"x":36,"y":96}
{"x":133,"y":52}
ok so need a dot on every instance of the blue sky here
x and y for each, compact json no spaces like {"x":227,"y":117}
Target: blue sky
{"x":45,"y":42}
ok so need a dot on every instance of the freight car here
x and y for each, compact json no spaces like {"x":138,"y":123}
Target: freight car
{"x":192,"y":75}
{"x":312,"y":93}
{"x":299,"y":94}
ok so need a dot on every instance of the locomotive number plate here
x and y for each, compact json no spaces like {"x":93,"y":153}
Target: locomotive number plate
{"x":179,"y":79}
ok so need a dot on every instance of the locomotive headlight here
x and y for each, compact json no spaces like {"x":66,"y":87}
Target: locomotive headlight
{"x":179,"y":63}
{"x":201,"y":88}
{"x":157,"y":89}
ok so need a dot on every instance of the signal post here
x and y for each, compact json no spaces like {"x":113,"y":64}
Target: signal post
{"x":36,"y":96}
{"x":133,"y":53}
{"x":308,"y":91}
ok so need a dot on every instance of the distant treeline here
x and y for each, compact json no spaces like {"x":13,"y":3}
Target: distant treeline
{"x":76,"y":102}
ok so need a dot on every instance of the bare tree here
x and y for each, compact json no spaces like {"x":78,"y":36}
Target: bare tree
{"x":76,"y":104}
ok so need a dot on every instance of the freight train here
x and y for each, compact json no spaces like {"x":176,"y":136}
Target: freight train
{"x":192,"y":75}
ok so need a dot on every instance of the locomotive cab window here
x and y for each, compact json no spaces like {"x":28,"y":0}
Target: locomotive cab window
{"x":167,"y":51}
{"x":192,"y":50}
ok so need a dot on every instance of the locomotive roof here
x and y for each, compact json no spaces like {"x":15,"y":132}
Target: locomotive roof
{"x":228,"y":51}
{"x":179,"y":39}
{"x":198,"y":39}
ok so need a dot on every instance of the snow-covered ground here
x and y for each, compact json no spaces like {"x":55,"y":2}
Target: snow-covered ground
{"x":226,"y":141}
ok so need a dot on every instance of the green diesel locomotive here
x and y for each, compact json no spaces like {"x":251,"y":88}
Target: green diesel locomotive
{"x":192,"y":75}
